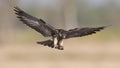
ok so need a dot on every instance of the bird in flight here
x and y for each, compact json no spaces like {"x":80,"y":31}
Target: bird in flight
{"x":57,"y":35}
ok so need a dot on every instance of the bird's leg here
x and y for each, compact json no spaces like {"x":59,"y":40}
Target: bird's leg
{"x":59,"y":45}
{"x":55,"y":41}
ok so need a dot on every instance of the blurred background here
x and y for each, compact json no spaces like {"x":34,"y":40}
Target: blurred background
{"x":18,"y":48}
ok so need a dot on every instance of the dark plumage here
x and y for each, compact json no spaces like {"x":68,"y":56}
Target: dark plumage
{"x":48,"y":31}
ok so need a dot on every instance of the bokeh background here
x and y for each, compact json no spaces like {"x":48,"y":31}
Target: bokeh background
{"x":18,"y":48}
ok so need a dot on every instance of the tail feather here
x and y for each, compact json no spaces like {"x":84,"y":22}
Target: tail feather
{"x":48,"y":43}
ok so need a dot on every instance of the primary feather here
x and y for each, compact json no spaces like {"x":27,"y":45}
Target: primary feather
{"x":37,"y":24}
{"x":79,"y":32}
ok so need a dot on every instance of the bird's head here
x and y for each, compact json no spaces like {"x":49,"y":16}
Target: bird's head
{"x":61,"y":33}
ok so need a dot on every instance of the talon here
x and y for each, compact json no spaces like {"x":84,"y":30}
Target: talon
{"x":61,"y":48}
{"x":52,"y":46}
{"x":56,"y":47}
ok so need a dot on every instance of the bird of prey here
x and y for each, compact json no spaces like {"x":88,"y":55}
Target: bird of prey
{"x":57,"y":35}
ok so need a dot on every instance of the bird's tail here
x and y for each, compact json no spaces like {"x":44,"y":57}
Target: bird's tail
{"x":48,"y":43}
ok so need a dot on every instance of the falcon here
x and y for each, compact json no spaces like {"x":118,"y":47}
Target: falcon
{"x":57,"y":35}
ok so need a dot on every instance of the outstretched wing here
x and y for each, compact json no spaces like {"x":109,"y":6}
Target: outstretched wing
{"x":37,"y":24}
{"x":77,"y":32}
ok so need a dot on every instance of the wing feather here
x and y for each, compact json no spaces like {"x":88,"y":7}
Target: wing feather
{"x":77,"y":32}
{"x":37,"y":24}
